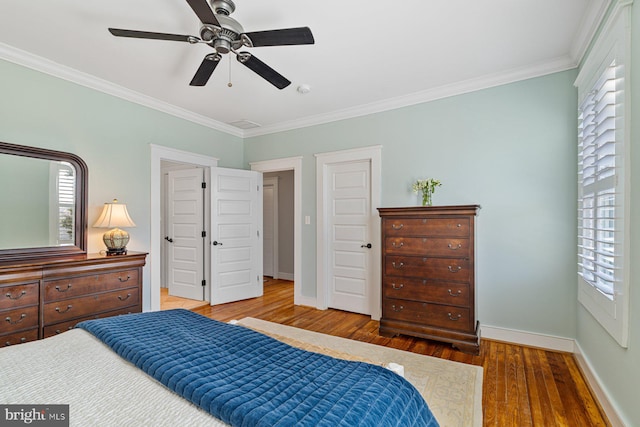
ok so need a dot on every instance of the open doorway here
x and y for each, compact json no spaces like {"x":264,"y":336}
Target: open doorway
{"x":293,"y":165}
{"x":278,"y":197}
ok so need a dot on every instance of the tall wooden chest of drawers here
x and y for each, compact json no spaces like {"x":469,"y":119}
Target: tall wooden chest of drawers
{"x":43,"y":299}
{"x":428,"y":274}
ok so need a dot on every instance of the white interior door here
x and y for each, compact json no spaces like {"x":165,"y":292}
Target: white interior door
{"x":349,"y":244}
{"x":185,"y":224}
{"x":236,"y":238}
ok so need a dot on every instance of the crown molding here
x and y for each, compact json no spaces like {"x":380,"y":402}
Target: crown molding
{"x":589,"y":25}
{"x":38,"y":63}
{"x":445,"y":91}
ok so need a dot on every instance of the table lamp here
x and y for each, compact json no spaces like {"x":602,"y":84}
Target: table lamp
{"x":115,"y":215}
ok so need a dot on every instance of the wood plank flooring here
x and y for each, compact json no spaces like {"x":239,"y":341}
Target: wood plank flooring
{"x":522,"y":386}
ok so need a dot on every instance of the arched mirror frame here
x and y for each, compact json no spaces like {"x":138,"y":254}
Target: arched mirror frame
{"x":80,"y":223}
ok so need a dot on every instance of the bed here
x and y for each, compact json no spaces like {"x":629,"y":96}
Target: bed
{"x":179,"y":368}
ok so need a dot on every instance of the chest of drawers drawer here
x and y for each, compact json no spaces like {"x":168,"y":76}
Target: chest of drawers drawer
{"x":433,"y":246}
{"x":18,"y":318}
{"x":19,"y":295}
{"x":59,"y":311}
{"x":59,"y":328}
{"x":454,"y":269}
{"x":56,"y":290}
{"x":19,"y":337}
{"x":426,"y":227}
{"x":426,"y":291}
{"x":443,"y":316}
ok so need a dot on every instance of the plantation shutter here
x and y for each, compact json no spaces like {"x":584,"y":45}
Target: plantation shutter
{"x":66,"y":190}
{"x":600,"y":201}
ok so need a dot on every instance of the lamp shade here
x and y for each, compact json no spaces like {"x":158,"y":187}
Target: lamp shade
{"x":114,"y":215}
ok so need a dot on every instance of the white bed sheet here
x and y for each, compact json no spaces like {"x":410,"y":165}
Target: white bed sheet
{"x":100,"y":387}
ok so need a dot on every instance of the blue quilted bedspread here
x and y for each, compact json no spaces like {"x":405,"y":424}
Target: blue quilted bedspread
{"x":249,"y":379}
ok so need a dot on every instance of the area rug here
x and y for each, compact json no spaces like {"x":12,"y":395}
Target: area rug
{"x":452,"y":390}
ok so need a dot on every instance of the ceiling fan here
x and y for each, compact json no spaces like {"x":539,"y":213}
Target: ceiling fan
{"x":224,"y":34}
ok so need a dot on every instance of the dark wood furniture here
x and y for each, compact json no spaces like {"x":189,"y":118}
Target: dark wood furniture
{"x":45,"y":298}
{"x":428,"y":274}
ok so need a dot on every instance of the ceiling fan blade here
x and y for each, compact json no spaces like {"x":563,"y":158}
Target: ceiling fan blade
{"x":209,"y":63}
{"x":263,"y":70}
{"x":283,"y":37}
{"x":204,"y":12}
{"x":156,"y":36}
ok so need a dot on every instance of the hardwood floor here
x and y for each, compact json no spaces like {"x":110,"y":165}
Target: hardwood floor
{"x":522,"y":386}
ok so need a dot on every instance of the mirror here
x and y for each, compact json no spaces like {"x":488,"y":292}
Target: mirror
{"x":42,"y":203}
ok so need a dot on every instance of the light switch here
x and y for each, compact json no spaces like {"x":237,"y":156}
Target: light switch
{"x":307,"y":219}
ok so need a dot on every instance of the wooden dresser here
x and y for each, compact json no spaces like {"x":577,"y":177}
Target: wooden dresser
{"x":428,"y":274}
{"x":46,"y":298}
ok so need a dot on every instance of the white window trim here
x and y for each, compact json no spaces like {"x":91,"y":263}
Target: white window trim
{"x":614,"y":40}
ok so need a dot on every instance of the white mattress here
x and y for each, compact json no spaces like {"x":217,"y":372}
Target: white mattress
{"x":100,"y":387}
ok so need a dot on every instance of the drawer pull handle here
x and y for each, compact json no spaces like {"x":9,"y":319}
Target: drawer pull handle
{"x":23,"y":293}
{"x":397,"y":227}
{"x":454,"y":248}
{"x":401,"y":244}
{"x":457,"y":294}
{"x":393,"y":285}
{"x":125,"y":298}
{"x":125,"y":280}
{"x":68,"y":308}
{"x":22,"y":340}
{"x":397,"y":266}
{"x":393,"y":307}
{"x":454,"y":318}
{"x":63,"y":290}
{"x":22,"y":316}
{"x":454,"y":270}
{"x":459,"y":225}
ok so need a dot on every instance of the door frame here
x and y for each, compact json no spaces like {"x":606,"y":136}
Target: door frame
{"x":273,"y":182}
{"x":373,"y":154}
{"x":294,"y":164}
{"x":158,"y":154}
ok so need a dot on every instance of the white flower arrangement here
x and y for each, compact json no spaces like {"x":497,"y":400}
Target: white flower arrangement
{"x":427,"y":187}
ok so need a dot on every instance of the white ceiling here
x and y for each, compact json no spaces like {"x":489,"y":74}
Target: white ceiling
{"x":369,"y":55}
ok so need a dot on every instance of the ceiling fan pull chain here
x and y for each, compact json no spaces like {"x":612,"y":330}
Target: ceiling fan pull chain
{"x":230,"y":84}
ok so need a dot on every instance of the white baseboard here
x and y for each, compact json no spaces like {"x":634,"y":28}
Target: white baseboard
{"x":550,"y":342}
{"x":530,"y":339}
{"x":285,"y":276}
{"x":596,"y":386}
{"x":306,"y":301}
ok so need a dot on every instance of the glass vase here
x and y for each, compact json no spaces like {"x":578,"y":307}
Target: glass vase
{"x":426,"y":198}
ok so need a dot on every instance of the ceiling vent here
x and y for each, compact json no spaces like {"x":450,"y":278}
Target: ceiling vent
{"x":244,"y":124}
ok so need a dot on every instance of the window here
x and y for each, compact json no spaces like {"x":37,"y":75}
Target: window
{"x":62,"y":205}
{"x":603,"y":138}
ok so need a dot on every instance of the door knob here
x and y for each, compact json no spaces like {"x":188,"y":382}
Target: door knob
{"x":216,"y":243}
{"x":368,"y":246}
{"x":168,"y":239}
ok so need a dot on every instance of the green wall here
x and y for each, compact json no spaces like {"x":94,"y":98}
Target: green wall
{"x":619,"y":368}
{"x":510,"y":149}
{"x":110,"y":134}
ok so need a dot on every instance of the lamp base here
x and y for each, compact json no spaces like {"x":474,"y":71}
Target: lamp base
{"x":119,"y":251}
{"x":116,"y":241}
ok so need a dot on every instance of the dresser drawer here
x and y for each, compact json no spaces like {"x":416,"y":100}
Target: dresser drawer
{"x":56,"y":290}
{"x":19,"y":295}
{"x":59,"y":328}
{"x":432,"y":246}
{"x":443,"y":316}
{"x":59,"y":311}
{"x":426,"y":291}
{"x":18,"y":318}
{"x":454,"y":269}
{"x":19,"y":337}
{"x":426,"y":227}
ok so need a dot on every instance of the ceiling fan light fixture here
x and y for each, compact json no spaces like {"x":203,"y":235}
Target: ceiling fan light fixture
{"x":223,"y":7}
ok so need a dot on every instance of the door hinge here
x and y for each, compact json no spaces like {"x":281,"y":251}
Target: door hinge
{"x":258,"y":232}
{"x":257,"y":188}
{"x":204,"y":283}
{"x":204,"y":185}
{"x":257,"y":278}
{"x":204,"y":234}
